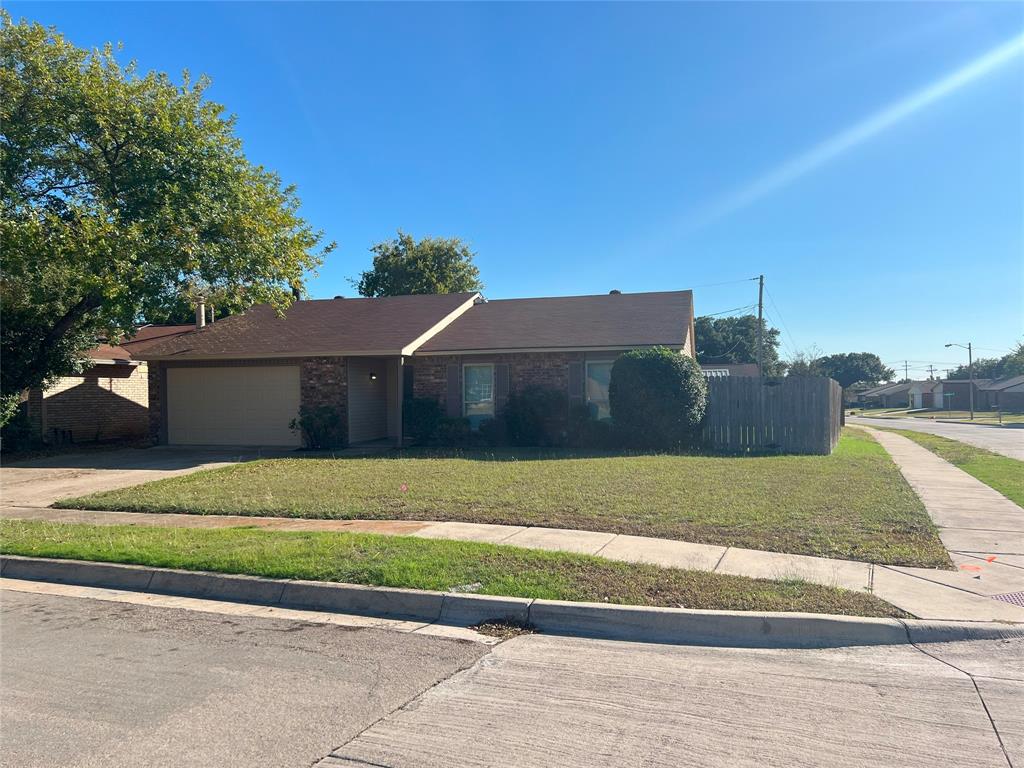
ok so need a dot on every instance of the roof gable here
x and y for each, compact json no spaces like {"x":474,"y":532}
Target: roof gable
{"x":392,"y":325}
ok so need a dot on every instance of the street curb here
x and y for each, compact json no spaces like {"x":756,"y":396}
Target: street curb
{"x":681,"y":626}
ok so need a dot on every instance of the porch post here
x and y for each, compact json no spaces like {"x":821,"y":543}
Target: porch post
{"x":400,"y":389}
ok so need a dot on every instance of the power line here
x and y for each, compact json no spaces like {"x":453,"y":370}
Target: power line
{"x":727,"y":282}
{"x":727,"y":311}
{"x":781,"y":320}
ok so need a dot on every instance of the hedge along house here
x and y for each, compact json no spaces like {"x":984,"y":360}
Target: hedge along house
{"x":242,"y":380}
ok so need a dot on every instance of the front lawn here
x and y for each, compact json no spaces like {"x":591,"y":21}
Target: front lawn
{"x":1004,"y":474}
{"x":854,"y":504}
{"x":398,"y":561}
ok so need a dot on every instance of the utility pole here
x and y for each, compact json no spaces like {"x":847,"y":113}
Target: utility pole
{"x":970,"y":372}
{"x":760,"y":325}
{"x":970,"y":375}
{"x":931,"y":372}
{"x":906,"y":370}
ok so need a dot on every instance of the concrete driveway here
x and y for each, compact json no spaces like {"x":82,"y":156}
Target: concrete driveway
{"x":1008,"y":440}
{"x":41,"y":482}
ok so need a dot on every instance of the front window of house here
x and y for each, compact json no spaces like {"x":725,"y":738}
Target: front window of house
{"x":478,"y":393}
{"x":599,"y":375}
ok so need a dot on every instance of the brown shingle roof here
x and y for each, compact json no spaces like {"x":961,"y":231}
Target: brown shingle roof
{"x":143,"y":338}
{"x":318,"y":327}
{"x":570,"y":322}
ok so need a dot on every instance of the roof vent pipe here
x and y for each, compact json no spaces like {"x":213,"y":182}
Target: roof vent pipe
{"x":200,"y":313}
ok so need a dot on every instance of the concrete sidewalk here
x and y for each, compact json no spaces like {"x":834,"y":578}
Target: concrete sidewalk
{"x":963,"y":595}
{"x":975,"y":521}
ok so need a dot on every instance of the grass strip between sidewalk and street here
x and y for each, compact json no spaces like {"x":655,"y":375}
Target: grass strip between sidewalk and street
{"x":398,"y":561}
{"x":1000,"y":472}
{"x":852,"y":505}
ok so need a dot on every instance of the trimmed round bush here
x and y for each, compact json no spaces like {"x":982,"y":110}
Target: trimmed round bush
{"x":657,"y":398}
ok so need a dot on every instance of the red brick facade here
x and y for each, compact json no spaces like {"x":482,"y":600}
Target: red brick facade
{"x":543,"y":369}
{"x":106,"y":402}
{"x":324,"y":381}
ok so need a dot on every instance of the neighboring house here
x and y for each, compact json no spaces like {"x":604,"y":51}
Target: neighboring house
{"x":954,"y":394}
{"x":1002,"y":394}
{"x":242,"y":380}
{"x":907,"y":394}
{"x":718,"y":370}
{"x":886,"y":396}
{"x":921,"y":394}
{"x":109,"y":400}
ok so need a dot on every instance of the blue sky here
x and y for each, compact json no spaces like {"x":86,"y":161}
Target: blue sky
{"x":584,"y":147}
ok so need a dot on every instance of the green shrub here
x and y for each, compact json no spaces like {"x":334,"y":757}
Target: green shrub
{"x":536,"y":416}
{"x":657,"y":398}
{"x":492,"y":432}
{"x":422,"y":417}
{"x":16,"y":434}
{"x":589,"y":433}
{"x":322,"y":427}
{"x":454,"y":431}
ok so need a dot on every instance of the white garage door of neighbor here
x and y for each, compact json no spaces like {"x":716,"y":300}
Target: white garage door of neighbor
{"x":240,"y":405}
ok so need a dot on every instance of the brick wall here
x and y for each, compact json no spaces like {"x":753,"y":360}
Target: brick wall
{"x":543,"y":369}
{"x":324,"y":381}
{"x":107,"y":402}
{"x":155,"y":382}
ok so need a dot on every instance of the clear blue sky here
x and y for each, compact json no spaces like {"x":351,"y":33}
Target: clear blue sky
{"x":580,"y":148}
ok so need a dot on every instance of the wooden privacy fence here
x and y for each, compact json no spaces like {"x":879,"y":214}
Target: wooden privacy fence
{"x":800,"y":414}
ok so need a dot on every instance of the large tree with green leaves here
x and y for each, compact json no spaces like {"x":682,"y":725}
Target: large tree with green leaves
{"x":734,"y":340}
{"x":118,"y":191}
{"x":851,"y":368}
{"x":404,"y":266}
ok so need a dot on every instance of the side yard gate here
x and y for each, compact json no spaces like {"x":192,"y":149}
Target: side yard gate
{"x":800,"y":414}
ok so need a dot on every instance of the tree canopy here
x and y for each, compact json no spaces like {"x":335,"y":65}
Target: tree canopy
{"x":855,"y":368}
{"x":1010,"y":364}
{"x":404,"y":266}
{"x":118,"y":191}
{"x":734,"y":340}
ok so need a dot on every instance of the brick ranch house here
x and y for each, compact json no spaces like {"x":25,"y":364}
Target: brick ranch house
{"x":242,"y":380}
{"x":109,"y":400}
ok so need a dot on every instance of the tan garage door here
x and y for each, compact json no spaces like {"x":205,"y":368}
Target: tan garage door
{"x":239,"y":405}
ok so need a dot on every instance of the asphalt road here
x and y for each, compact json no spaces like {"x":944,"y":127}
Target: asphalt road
{"x":1008,"y":441}
{"x":89,"y":683}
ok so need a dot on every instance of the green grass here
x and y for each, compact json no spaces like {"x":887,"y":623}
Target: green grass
{"x":1000,"y":472}
{"x":397,"y":561}
{"x":853,"y":504}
